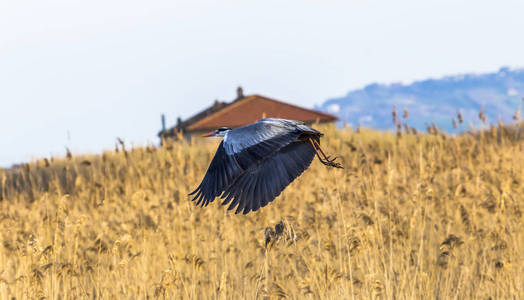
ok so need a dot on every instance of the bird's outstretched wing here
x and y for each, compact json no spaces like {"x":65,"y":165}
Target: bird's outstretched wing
{"x":240,"y":149}
{"x":221,"y":172}
{"x":265,"y":180}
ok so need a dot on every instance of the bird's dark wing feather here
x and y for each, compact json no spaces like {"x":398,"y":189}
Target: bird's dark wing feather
{"x":221,"y":172}
{"x":264,"y":181}
{"x":227,"y":165}
{"x":264,"y":148}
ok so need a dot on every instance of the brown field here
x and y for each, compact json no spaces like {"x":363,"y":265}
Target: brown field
{"x":412,"y":216}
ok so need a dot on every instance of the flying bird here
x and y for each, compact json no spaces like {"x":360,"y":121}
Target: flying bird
{"x":255,"y":163}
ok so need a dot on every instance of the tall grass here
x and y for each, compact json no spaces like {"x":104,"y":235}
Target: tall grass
{"x":410,"y":216}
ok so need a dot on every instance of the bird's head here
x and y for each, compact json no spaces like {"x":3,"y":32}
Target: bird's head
{"x":219,"y":132}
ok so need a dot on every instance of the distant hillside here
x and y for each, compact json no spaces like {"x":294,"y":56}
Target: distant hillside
{"x":434,"y":100}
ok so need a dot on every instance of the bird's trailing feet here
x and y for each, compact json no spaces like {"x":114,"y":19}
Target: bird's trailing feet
{"x":324,"y":159}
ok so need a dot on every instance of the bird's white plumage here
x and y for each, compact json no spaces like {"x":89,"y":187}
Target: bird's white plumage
{"x":246,"y":136}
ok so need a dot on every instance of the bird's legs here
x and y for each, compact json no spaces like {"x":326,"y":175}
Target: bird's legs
{"x":326,"y":160}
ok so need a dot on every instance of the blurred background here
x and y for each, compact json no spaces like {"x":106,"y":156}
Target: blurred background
{"x":79,"y":74}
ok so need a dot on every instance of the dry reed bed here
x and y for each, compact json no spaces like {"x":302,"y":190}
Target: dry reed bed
{"x":410,"y":216}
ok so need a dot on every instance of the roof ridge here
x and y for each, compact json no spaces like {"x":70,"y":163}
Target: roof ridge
{"x":226,"y":108}
{"x":214,"y":108}
{"x":296,"y":106}
{"x":233,"y":105}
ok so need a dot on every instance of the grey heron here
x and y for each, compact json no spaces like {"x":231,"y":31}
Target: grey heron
{"x":255,"y":163}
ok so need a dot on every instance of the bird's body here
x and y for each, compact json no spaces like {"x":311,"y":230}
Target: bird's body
{"x":254,"y":163}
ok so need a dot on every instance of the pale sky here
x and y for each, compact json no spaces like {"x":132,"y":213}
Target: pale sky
{"x":81,"y":73}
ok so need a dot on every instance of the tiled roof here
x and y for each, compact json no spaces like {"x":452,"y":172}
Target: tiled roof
{"x":253,"y":108}
{"x":217,"y":106}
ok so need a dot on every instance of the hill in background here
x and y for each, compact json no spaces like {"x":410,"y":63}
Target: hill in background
{"x":434,"y":100}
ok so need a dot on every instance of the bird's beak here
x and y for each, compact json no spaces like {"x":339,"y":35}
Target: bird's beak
{"x":211,"y":133}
